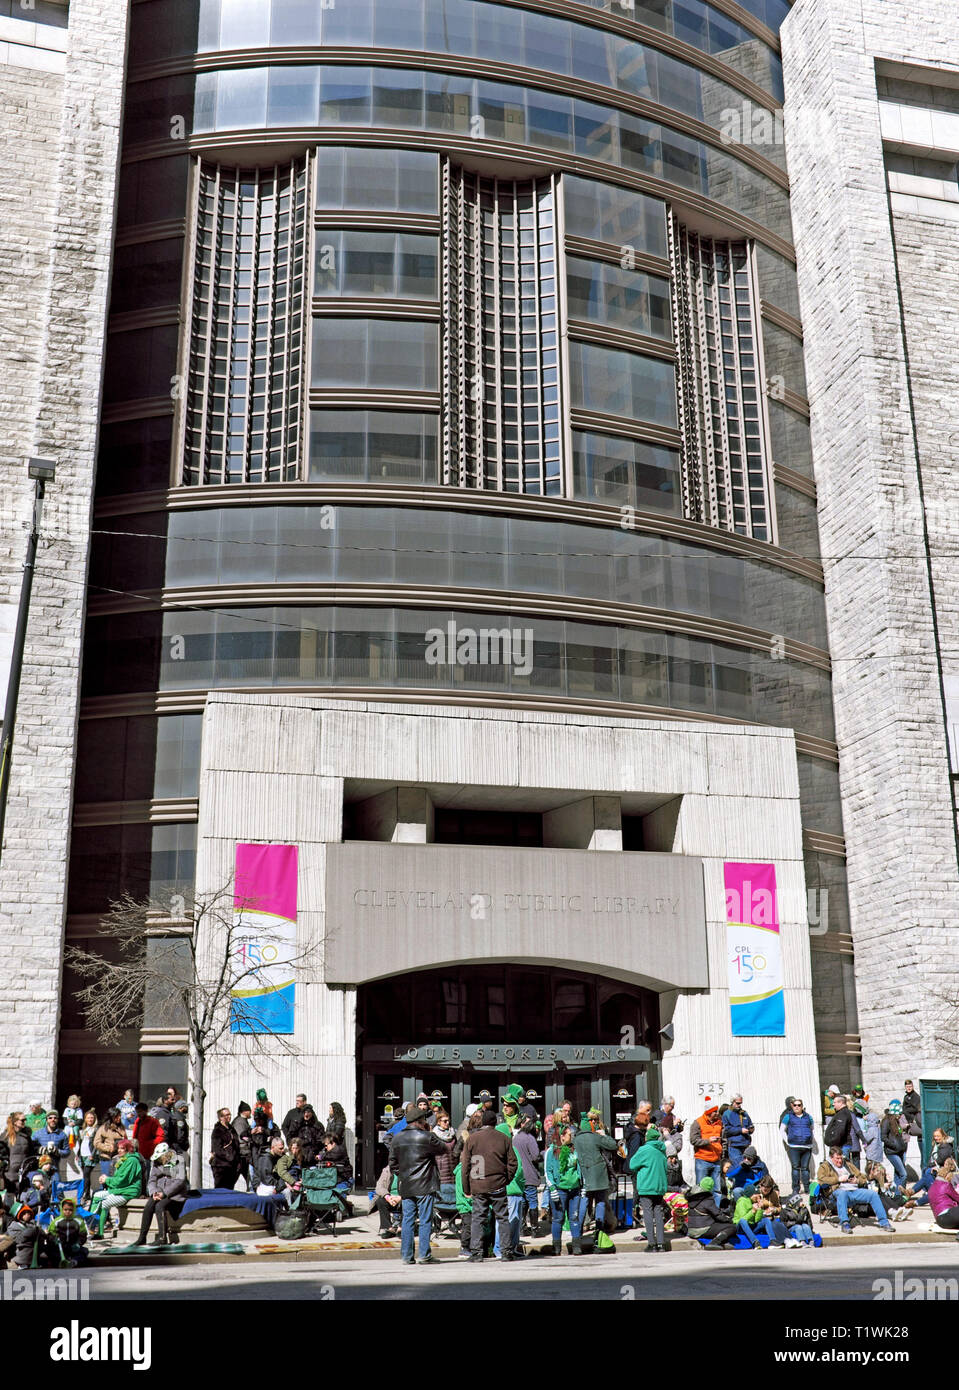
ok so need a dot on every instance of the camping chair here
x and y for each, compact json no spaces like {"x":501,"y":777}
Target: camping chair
{"x":320,"y":1197}
{"x":446,"y":1213}
{"x":822,"y":1203}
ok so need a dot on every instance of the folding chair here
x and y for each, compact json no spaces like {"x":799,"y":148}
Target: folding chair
{"x":320,"y":1197}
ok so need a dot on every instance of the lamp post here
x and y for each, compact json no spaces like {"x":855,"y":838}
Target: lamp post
{"x":42,"y":471}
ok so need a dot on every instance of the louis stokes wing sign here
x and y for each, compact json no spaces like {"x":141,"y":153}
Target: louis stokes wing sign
{"x":753,"y":948}
{"x":264,"y":939}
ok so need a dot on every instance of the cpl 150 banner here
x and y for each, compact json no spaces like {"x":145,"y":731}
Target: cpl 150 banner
{"x":264,"y":903}
{"x":756,"y":1000}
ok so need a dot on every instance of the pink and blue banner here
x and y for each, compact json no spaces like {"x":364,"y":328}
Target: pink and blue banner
{"x":264,"y":904}
{"x":754,"y":951}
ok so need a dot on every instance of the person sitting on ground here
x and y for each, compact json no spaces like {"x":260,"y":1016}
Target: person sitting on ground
{"x":748,"y":1214}
{"x":772,"y":1219}
{"x":841,"y":1177}
{"x":750,"y":1168}
{"x":897,"y":1204}
{"x":165,"y":1184}
{"x":943,"y":1148}
{"x":705,"y":1220}
{"x":26,"y":1238}
{"x":122,"y":1186}
{"x":66,"y":1238}
{"x":943,"y":1198}
{"x":265,"y":1168}
{"x":798,"y":1222}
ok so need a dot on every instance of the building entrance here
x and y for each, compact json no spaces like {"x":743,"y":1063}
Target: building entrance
{"x":596,"y":1044}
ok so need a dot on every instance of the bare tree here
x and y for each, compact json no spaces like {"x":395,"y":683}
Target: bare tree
{"x":216,"y":988}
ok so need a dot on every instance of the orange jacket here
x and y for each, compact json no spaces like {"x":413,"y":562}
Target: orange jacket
{"x":706,"y":1137}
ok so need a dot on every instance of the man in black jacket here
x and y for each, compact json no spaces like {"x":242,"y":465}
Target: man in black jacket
{"x":844,"y":1129}
{"x":294,"y":1119}
{"x":413,"y":1154}
{"x":487,"y":1167}
{"x":225,"y":1151}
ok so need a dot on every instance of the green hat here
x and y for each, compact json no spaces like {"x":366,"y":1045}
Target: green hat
{"x":261,"y":1095}
{"x":584,"y":1125}
{"x":706,"y":1185}
{"x":513,"y":1095}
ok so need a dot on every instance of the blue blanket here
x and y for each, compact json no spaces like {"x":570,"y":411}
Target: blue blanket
{"x":212,"y":1198}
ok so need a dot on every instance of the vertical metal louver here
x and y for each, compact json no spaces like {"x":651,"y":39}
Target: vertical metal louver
{"x":726,"y":457}
{"x":244,"y":389}
{"x":501,"y":359}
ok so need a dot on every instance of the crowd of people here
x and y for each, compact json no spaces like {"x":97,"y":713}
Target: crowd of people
{"x":67,"y":1176}
{"x":503,"y":1173}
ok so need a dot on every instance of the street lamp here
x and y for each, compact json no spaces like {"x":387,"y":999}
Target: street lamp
{"x":42,"y":471}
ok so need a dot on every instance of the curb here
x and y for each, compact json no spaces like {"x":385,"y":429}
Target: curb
{"x":296,"y":1253}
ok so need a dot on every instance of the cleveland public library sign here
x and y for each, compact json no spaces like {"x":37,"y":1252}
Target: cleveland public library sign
{"x":392,"y":908}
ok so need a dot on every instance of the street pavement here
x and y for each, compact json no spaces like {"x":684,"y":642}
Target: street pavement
{"x":836,"y":1273}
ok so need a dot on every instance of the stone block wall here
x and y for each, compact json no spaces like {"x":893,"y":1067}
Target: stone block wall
{"x":60,"y":139}
{"x":880,"y":409}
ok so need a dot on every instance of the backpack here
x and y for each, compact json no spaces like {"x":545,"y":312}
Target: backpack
{"x":795,"y":1208}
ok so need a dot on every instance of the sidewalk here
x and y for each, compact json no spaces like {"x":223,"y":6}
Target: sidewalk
{"x":358,"y":1238}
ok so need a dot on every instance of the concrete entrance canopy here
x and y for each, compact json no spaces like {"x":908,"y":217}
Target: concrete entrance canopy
{"x":281,"y":768}
{"x":392,"y":908}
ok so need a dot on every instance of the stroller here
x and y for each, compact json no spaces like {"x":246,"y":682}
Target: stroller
{"x":320,"y":1198}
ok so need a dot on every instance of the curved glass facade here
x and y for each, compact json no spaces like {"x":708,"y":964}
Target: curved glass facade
{"x":478,"y":291}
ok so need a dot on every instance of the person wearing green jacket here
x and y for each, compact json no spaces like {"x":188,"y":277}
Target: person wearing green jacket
{"x":464,"y":1205}
{"x":590,"y":1145}
{"x":565,"y":1183}
{"x":648,"y":1164}
{"x":751,"y":1214}
{"x":124,"y":1183}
